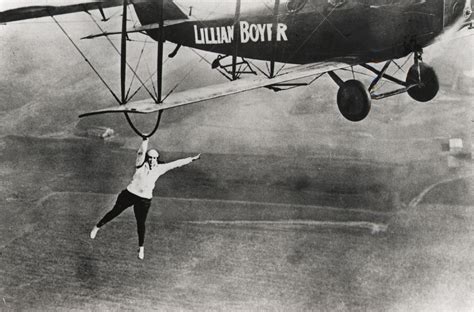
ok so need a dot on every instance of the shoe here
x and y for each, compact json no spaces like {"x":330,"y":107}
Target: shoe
{"x":94,"y":232}
{"x":141,"y":253}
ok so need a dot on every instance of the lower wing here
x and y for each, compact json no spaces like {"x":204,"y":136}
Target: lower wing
{"x":220,"y":90}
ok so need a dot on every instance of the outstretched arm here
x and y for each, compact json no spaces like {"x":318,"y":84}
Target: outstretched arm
{"x":179,"y":163}
{"x":141,"y":153}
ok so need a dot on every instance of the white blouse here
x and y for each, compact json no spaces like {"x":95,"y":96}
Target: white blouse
{"x":144,"y":179}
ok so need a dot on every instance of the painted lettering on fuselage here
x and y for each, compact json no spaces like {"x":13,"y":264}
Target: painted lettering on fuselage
{"x":248,"y":33}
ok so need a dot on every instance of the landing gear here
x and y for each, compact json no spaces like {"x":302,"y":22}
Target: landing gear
{"x":424,"y":81}
{"x":353,"y":100}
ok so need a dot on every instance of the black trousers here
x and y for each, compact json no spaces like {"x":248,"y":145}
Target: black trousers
{"x":140,"y":207}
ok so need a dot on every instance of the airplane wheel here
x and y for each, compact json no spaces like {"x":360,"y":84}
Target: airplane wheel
{"x":353,"y":100}
{"x":429,"y":85}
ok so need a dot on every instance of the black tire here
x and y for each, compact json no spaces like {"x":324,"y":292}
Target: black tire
{"x":428,"y":87}
{"x":353,"y":100}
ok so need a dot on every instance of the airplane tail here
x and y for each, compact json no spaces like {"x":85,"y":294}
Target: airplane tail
{"x":148,"y":11}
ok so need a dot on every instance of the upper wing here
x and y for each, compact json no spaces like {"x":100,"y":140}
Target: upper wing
{"x":14,"y":10}
{"x":215,"y":91}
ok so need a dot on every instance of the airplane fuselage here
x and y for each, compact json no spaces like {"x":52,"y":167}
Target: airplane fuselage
{"x":323,"y":35}
{"x":310,"y":31}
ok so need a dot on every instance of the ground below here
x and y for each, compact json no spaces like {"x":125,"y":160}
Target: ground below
{"x":233,"y":232}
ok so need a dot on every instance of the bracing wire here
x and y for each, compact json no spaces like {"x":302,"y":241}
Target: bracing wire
{"x":398,"y":69}
{"x":136,"y":68}
{"x":128,"y":65}
{"x":208,"y":62}
{"x":86,"y":59}
{"x":181,"y":81}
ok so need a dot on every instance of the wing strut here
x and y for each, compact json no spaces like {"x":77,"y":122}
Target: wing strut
{"x":159,"y":62}
{"x":123,"y":54}
{"x":236,"y":39}
{"x":275,"y":24}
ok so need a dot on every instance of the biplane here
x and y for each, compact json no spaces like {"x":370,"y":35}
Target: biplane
{"x":316,"y":36}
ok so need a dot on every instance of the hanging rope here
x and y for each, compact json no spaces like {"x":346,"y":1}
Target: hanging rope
{"x":138,"y":132}
{"x":123,"y":63}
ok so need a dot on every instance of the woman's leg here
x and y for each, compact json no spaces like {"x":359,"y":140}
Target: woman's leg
{"x":141,"y":211}
{"x":124,"y":200}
